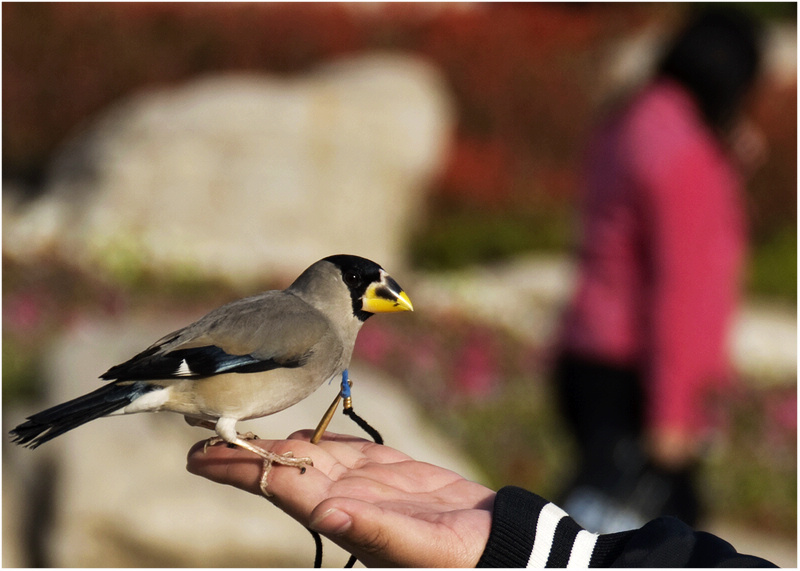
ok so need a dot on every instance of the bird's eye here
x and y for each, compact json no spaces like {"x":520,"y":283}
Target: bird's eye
{"x":351,"y":278}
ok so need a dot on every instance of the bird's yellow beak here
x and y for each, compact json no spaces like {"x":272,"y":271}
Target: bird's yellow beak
{"x":385,"y":296}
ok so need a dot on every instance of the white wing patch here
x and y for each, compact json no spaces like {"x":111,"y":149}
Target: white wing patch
{"x":184,"y":370}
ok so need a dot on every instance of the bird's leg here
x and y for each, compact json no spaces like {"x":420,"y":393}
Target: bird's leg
{"x":326,"y":418}
{"x":226,"y":430}
{"x":271,"y":458}
{"x":214,"y":440}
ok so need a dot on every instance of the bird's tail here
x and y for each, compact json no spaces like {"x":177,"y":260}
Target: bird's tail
{"x":48,"y":424}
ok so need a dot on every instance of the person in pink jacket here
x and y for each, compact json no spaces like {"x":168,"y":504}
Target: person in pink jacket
{"x":660,"y":258}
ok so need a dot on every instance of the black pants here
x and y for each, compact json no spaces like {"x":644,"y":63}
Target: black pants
{"x":604,"y":408}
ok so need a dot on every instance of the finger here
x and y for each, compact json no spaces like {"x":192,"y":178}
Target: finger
{"x":351,"y":451}
{"x":344,"y":440}
{"x":339,"y":462}
{"x":337,"y":445}
{"x":295,"y":492}
{"x":377,"y":537}
{"x":292,"y":489}
{"x":383,"y":536}
{"x":210,"y":461}
{"x":224,"y":465}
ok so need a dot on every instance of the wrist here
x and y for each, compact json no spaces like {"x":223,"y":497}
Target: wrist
{"x":514,"y":526}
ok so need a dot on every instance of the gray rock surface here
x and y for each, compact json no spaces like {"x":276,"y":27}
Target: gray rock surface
{"x":242,"y":175}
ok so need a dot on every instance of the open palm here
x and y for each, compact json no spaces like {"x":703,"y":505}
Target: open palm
{"x":374,"y":501}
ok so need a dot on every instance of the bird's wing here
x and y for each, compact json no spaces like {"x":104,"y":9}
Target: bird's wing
{"x":264,"y":332}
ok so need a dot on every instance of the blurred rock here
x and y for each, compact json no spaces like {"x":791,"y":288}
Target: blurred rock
{"x":526,"y":296}
{"x":119,"y":489}
{"x":246,"y":176}
{"x":764,"y":343}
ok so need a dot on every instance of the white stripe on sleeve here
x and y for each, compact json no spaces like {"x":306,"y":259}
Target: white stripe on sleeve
{"x":582,"y":549}
{"x":549,"y":517}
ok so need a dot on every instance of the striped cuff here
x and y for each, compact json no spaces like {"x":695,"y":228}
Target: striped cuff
{"x":529,"y":531}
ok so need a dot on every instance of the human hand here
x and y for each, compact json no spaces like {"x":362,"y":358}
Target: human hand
{"x":375,"y":502}
{"x":672,"y":448}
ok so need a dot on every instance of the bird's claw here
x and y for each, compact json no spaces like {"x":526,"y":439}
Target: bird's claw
{"x":214,"y":440}
{"x":286,"y":459}
{"x":269,"y":458}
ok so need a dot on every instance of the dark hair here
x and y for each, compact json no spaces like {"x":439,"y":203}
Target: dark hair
{"x":716,"y":57}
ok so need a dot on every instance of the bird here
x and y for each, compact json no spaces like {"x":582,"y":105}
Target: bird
{"x":246,"y":359}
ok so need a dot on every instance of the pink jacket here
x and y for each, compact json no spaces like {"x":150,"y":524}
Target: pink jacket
{"x":662,"y":245}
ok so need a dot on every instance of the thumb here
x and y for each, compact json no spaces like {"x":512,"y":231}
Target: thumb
{"x":377,"y":537}
{"x":331,"y":522}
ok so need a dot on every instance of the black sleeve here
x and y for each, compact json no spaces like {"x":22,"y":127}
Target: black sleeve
{"x":529,"y":531}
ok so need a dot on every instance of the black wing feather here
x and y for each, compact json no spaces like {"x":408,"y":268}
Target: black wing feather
{"x":194,"y":362}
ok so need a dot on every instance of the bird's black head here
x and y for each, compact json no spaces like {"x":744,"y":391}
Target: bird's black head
{"x":372,"y":290}
{"x":357,"y":273}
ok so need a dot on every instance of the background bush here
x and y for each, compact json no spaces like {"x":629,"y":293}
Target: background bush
{"x":525,"y":78}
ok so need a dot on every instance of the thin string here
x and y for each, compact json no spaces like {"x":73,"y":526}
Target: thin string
{"x":374,"y":434}
{"x":318,"y":548}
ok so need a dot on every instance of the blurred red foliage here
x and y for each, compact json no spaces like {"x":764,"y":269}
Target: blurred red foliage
{"x":515,"y":70}
{"x":477,"y":171}
{"x":523,"y":76}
